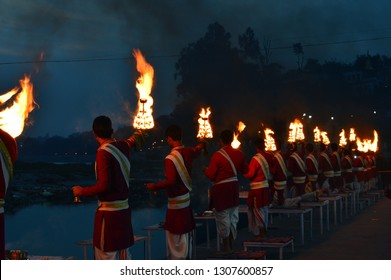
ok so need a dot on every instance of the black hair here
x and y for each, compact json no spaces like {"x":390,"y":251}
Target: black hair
{"x":334,"y":147}
{"x":175,"y":132}
{"x":278,"y":144}
{"x":309,"y":147}
{"x":227,"y":136}
{"x":259,"y":143}
{"x":322,"y":146}
{"x":102,"y":127}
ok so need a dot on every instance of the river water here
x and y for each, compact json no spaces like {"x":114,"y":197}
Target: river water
{"x":53,"y":230}
{"x":47,"y":230}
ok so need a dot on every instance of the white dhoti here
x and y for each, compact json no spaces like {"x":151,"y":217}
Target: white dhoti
{"x":310,"y":196}
{"x":113,"y":255}
{"x":179,"y":246}
{"x":258,"y":218}
{"x":325,"y":185}
{"x":358,"y":186}
{"x":227,"y":221}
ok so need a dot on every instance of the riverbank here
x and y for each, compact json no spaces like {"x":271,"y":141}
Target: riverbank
{"x":41,"y":182}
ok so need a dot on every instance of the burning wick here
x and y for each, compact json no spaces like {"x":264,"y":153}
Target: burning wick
{"x":77,"y":199}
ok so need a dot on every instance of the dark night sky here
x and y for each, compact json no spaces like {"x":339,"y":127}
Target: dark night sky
{"x":71,"y":93}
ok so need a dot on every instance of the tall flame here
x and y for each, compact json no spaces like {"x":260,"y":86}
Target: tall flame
{"x":204,"y":128}
{"x":270,"y":144}
{"x":374,"y":146}
{"x":296,"y":132}
{"x":352,"y":135}
{"x":325,"y":138}
{"x":144,"y":119}
{"x":342,"y":139}
{"x":321,"y":136}
{"x":236,"y":143}
{"x":12,"y":119}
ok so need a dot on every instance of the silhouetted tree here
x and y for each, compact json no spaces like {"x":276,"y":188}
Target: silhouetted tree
{"x":299,"y":52}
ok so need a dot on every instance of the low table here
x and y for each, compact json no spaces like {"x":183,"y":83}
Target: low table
{"x":334,"y":199}
{"x":272,"y":242}
{"x":207,"y":218}
{"x":296,"y":211}
{"x":320,"y":205}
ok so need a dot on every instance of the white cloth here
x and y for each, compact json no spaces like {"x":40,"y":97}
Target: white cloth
{"x":113,"y":255}
{"x":179,"y":246}
{"x":258,"y":218}
{"x":179,"y":163}
{"x":123,"y":161}
{"x":227,"y":221}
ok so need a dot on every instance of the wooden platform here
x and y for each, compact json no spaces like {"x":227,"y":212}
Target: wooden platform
{"x":272,"y":242}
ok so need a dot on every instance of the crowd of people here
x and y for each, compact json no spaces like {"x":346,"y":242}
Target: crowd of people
{"x":278,"y":178}
{"x":304,"y":172}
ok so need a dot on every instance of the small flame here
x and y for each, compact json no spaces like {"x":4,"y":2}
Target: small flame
{"x":270,"y":144}
{"x":317,"y":135}
{"x":204,"y":129}
{"x":342,"y":139}
{"x":236,"y":143}
{"x":296,"y":131}
{"x":352,"y":135}
{"x":12,"y":119}
{"x":144,"y":119}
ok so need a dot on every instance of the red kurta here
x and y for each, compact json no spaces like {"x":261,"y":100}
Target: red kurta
{"x":297,"y":171}
{"x":111,"y":186}
{"x":178,"y":221}
{"x":256,"y":174}
{"x":347,"y":169}
{"x":336,"y":163}
{"x":10,"y":152}
{"x":368,"y":168}
{"x":324,"y":166}
{"x":280,"y":174}
{"x":277,"y":170}
{"x":358,"y":168}
{"x":312,"y":168}
{"x":225,"y":195}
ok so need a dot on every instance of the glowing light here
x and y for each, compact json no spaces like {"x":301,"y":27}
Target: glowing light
{"x":342,"y":139}
{"x":367,"y":144}
{"x":317,"y":135}
{"x":352,"y":135}
{"x":13,"y":118}
{"x":204,"y":127}
{"x":270,"y":144}
{"x":325,"y":138}
{"x":144,"y":119}
{"x":236,"y":143}
{"x":295,"y":131}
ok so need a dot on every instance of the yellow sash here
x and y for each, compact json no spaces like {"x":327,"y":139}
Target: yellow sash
{"x":179,"y":163}
{"x":122,"y":160}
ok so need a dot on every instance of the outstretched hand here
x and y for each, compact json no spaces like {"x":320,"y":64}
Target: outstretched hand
{"x":150,"y":186}
{"x":77,"y":190}
{"x":139,"y":137}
